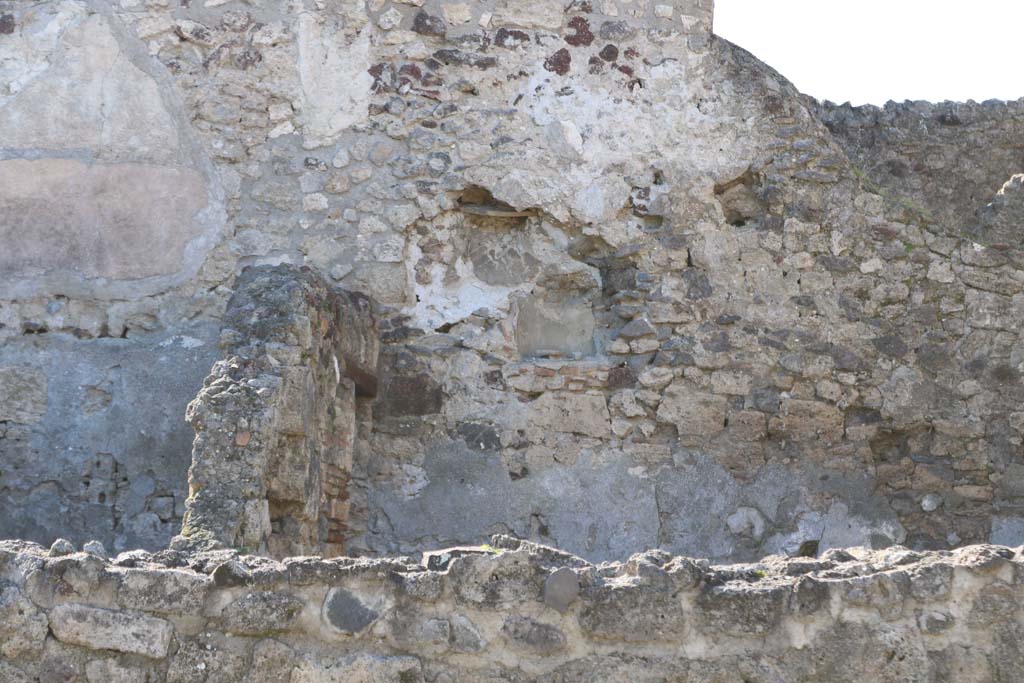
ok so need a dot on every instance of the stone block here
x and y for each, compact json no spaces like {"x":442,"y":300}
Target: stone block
{"x":10,"y":674}
{"x":360,"y":667}
{"x":110,"y":671}
{"x":272,"y":662}
{"x":585,"y":414}
{"x":166,"y":591}
{"x":103,"y":629}
{"x":990,"y":311}
{"x":533,"y":636}
{"x":564,"y":328}
{"x":631,"y":613}
{"x":741,"y":610}
{"x":694,"y":413}
{"x":808,"y":421}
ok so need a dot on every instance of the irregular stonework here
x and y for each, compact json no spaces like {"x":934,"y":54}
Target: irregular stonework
{"x":636,"y":291}
{"x":276,"y":420}
{"x":474,"y":614}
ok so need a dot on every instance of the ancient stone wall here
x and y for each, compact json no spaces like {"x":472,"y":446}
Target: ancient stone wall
{"x":276,"y":419}
{"x":509,"y":612}
{"x":635,"y":290}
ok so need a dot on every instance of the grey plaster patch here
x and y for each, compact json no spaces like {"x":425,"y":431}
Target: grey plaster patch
{"x":703,"y":510}
{"x":595,"y":508}
{"x":108,"y":471}
{"x":561,"y":327}
{"x":467,"y":496}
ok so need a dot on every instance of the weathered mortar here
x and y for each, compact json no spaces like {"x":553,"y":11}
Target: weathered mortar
{"x":636,"y":290}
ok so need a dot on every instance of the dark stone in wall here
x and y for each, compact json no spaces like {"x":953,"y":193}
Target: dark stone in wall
{"x":559,"y":62}
{"x":428,"y":25}
{"x":411,"y":395}
{"x":346,"y":612}
{"x":479,"y":436}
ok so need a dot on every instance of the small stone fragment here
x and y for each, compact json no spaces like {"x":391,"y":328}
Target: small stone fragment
{"x":390,"y":19}
{"x":641,"y":327}
{"x":94,"y":548}
{"x":428,"y":25}
{"x":61,"y":546}
{"x":561,"y":588}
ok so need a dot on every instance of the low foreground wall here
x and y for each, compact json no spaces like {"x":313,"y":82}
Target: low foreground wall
{"x":512,"y":611}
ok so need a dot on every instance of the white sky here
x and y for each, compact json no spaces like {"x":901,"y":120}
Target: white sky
{"x":872,"y":51}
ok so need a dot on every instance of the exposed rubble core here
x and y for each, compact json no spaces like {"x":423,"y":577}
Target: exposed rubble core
{"x":511,"y":611}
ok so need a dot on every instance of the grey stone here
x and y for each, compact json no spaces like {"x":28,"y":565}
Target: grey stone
{"x":465,"y":636}
{"x":561,"y":589}
{"x":346,"y":612}
{"x":61,"y":546}
{"x":94,"y":548}
{"x":641,"y":327}
{"x":1007,"y":531}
